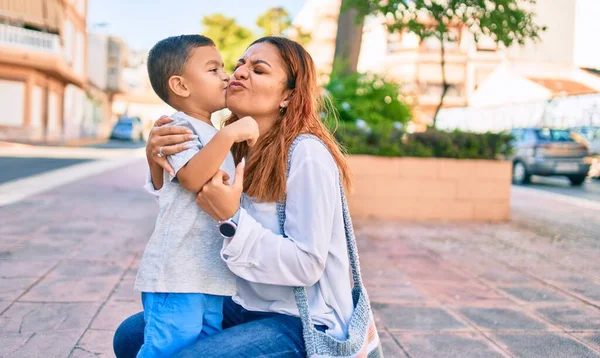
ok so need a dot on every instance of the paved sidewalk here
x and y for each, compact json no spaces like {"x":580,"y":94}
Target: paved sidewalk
{"x":68,"y":259}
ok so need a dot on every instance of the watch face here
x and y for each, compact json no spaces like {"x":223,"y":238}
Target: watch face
{"x":227,"y":229}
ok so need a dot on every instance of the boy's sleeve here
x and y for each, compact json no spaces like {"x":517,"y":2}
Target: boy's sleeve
{"x":179,"y":160}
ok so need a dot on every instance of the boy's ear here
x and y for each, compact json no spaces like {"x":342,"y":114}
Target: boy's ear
{"x":178,"y":86}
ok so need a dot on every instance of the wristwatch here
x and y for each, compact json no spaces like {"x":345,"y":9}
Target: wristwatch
{"x":228,"y":227}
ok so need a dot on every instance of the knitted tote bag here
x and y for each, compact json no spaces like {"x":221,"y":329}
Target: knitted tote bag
{"x":363,"y":340}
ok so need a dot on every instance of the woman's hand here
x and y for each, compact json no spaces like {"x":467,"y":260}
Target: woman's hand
{"x":219,"y":199}
{"x":166,"y":141}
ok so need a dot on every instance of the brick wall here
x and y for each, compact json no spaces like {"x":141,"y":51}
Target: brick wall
{"x":430,"y":189}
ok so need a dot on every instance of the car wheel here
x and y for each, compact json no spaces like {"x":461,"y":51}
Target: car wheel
{"x":520,"y":174}
{"x":577,"y":180}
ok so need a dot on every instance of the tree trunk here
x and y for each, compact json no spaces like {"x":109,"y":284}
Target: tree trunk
{"x":444,"y":81}
{"x":348,"y":41}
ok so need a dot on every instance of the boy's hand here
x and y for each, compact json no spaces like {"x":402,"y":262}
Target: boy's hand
{"x":244,"y":129}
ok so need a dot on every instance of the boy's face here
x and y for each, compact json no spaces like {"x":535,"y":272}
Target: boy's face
{"x":206,"y":79}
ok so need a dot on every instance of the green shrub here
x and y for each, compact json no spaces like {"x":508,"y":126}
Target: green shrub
{"x":367,"y":97}
{"x":388,"y":140}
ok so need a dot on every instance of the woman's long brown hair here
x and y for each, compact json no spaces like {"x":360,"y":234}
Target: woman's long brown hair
{"x":265,"y":174}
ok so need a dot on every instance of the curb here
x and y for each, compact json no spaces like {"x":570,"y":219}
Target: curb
{"x":17,"y":190}
{"x":580,"y":202}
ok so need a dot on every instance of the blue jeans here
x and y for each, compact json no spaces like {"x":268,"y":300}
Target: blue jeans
{"x":245,"y":334}
{"x":168,"y":327}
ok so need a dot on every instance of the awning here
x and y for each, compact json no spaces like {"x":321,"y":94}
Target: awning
{"x":43,"y":14}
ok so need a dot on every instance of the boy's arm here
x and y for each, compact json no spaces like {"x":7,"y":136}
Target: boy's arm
{"x":204,"y":164}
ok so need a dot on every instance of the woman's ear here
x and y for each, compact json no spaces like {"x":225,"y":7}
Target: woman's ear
{"x":178,"y":87}
{"x":286,"y":99}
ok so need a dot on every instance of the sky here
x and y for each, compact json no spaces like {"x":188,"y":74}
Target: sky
{"x":142,"y":23}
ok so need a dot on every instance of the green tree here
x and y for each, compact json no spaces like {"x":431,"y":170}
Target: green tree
{"x":277,"y":22}
{"x":274,"y":21}
{"x":505,"y":21}
{"x":230,"y":38}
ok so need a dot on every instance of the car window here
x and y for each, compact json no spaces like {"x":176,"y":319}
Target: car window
{"x":554,"y":135}
{"x":592,"y":133}
{"x":517,"y":134}
{"x":530,"y":136}
{"x":124,"y":125}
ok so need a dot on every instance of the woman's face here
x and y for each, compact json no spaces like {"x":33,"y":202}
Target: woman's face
{"x":258,"y":85}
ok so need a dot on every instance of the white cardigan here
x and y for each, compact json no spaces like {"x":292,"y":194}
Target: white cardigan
{"x":314,"y":254}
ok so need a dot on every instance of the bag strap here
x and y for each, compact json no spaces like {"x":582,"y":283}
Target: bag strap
{"x":301,"y":292}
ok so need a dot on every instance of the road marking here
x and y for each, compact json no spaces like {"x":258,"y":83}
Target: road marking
{"x":580,"y":202}
{"x":17,"y":190}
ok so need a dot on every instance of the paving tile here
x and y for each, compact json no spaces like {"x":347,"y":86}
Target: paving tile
{"x":460,"y":292}
{"x":95,"y":344}
{"x":504,"y":275}
{"x":10,"y":343}
{"x":47,"y":344}
{"x":449,"y":345}
{"x":572,"y":317}
{"x":80,"y":230}
{"x":25,"y":268}
{"x":4,"y":305}
{"x":42,"y":248}
{"x":592,"y":339}
{"x":501,"y":319}
{"x":417,"y":318}
{"x":97,"y":248}
{"x":394,"y":294}
{"x":113,"y":313}
{"x":534,"y":294}
{"x":553,"y":273}
{"x":11,"y":288}
{"x":67,"y":289}
{"x":78,"y":268}
{"x":545,"y":345}
{"x":126,"y":292}
{"x":587,"y":289}
{"x":390,"y":347}
{"x":47,"y":317}
{"x":428,"y":268}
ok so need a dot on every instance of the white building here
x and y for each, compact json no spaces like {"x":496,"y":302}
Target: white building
{"x":42,"y":69}
{"x":555,"y":63}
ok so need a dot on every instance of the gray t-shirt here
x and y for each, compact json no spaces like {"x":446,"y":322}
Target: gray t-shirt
{"x":183,"y":254}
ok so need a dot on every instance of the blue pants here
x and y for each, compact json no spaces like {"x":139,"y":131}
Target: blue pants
{"x":175,"y":320}
{"x":245,"y":334}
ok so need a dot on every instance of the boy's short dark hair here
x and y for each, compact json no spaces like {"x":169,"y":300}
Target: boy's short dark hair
{"x":168,"y":57}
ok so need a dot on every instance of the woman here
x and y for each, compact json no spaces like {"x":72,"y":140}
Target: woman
{"x":275,"y":83}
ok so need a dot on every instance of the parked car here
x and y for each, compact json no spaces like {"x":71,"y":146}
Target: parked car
{"x":549,"y":152}
{"x":128,"y":128}
{"x":591,"y":136}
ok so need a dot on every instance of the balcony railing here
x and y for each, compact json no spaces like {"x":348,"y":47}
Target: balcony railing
{"x":28,"y":39}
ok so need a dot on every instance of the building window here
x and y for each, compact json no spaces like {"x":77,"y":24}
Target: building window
{"x":435,"y":89}
{"x":486,"y":43}
{"x":433,"y":44}
{"x":394,"y":42}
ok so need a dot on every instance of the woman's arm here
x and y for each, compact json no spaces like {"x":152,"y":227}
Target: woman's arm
{"x":259,"y":255}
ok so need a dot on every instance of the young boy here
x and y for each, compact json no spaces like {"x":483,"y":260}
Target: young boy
{"x":182,"y":277}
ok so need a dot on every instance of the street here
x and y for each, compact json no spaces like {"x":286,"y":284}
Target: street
{"x":590,"y":189}
{"x":526,"y":288}
{"x":12,"y":168}
{"x":24,"y":161}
